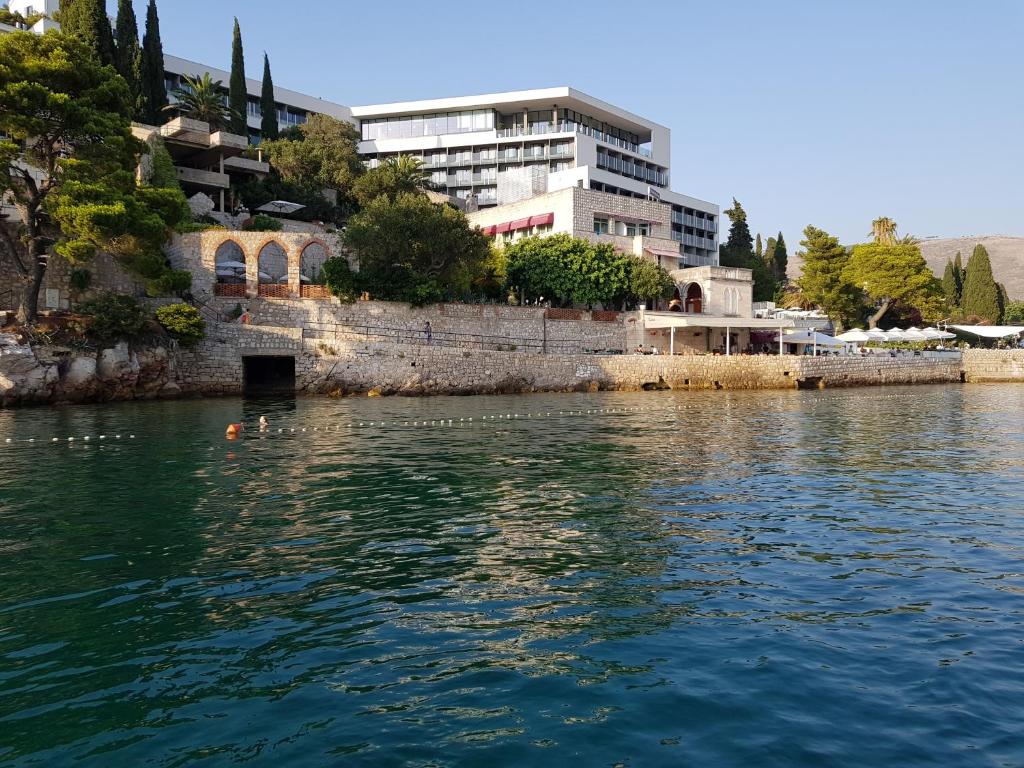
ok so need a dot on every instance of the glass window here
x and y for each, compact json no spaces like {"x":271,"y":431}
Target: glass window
{"x":600,"y":226}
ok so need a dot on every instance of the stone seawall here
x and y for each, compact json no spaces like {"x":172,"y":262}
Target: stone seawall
{"x":993,"y":365}
{"x":348,"y":365}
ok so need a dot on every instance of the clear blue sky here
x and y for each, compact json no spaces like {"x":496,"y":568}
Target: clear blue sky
{"x":824,"y":112}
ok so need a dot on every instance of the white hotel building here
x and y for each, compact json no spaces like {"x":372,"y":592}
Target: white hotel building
{"x":509,"y":155}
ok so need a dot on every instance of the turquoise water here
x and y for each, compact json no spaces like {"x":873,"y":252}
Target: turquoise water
{"x":781,"y":579}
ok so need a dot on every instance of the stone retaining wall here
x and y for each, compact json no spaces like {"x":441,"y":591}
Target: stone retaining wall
{"x":348,"y":365}
{"x":993,"y":365}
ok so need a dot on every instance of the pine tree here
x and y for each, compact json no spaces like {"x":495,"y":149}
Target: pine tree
{"x":823,"y":277}
{"x":268,"y":126}
{"x":129,"y":53}
{"x":981,"y":293}
{"x":152,"y":91}
{"x":238,"y":95}
{"x":738,"y":250}
{"x":88,"y":20}
{"x":781,"y":258}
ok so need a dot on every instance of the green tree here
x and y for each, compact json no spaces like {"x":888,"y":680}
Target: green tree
{"x":152,"y":91}
{"x":202,"y":98}
{"x":411,"y":249}
{"x":951,"y":287}
{"x":129,"y":52}
{"x":268,"y":126}
{"x":823,"y":280}
{"x":883,"y":231}
{"x":393,"y":177}
{"x":87,"y":19}
{"x":764,"y":279}
{"x":324,"y":154}
{"x":70,"y":159}
{"x":1014,"y":313}
{"x":647,"y":281}
{"x":738,"y":250}
{"x":758,"y":248}
{"x":780,"y":259}
{"x":238,"y":94}
{"x":980,"y":293}
{"x":896,"y":272}
{"x":769,"y":252}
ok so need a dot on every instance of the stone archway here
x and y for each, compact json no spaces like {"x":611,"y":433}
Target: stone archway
{"x":694,"y":301}
{"x":229,"y":262}
{"x":272,"y":270}
{"x":311,"y":264}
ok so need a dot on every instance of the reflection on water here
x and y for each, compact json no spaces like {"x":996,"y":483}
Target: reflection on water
{"x":793,"y":578}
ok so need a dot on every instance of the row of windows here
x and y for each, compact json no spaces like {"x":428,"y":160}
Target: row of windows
{"x":411,"y":126}
{"x":627,"y":166}
{"x":603,"y":226}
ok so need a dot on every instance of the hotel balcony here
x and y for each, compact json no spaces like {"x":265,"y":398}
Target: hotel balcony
{"x":206,"y":179}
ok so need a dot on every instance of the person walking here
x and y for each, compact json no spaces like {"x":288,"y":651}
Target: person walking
{"x":428,"y":332}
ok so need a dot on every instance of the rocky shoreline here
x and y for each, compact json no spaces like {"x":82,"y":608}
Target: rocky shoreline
{"x":36,"y":375}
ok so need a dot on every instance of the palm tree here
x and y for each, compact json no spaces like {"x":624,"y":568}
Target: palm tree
{"x":883,"y":229}
{"x":202,"y":98}
{"x":407,"y":173}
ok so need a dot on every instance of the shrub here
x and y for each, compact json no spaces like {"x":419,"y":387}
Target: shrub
{"x":197,"y":226}
{"x":263,"y":223}
{"x":171,"y":282}
{"x":114,"y":317}
{"x":338,"y":277}
{"x":80,"y":279}
{"x":183,"y":322}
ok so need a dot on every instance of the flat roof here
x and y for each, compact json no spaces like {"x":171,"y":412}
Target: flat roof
{"x":514,"y":101}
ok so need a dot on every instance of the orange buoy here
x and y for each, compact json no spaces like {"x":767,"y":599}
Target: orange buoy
{"x":233,"y":431}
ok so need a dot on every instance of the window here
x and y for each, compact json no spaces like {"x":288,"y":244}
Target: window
{"x":600,"y":226}
{"x":632,"y":230}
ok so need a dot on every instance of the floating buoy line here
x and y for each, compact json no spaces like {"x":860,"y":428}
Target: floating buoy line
{"x":462,"y":422}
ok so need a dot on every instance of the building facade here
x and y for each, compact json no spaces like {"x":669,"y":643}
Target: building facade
{"x":498,"y":149}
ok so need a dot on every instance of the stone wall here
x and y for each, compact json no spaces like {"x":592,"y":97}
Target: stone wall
{"x":354,"y":365}
{"x":491,"y":324}
{"x":992,"y":365}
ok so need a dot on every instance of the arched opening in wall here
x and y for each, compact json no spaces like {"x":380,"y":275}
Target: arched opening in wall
{"x":676,"y":304}
{"x":694,"y":298}
{"x":229,"y":269}
{"x":273,"y":271}
{"x":311,"y":271}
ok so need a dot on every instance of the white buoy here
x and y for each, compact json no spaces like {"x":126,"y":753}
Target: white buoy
{"x":54,"y":440}
{"x":86,"y":437}
{"x":71,"y":439}
{"x":7,"y":440}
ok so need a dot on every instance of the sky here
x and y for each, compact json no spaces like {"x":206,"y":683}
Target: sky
{"x":823,"y":112}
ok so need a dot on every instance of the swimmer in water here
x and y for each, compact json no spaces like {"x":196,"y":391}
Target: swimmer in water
{"x":233,"y":432}
{"x":263,"y":424}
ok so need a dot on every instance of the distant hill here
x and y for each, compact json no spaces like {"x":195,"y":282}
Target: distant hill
{"x":1006,"y":253}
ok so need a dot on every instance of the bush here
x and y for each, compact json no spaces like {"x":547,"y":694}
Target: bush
{"x":197,"y":226}
{"x":338,"y":277}
{"x":183,"y":322}
{"x":114,"y":317}
{"x":263,"y":223}
{"x":80,"y":279}
{"x":170,"y":283}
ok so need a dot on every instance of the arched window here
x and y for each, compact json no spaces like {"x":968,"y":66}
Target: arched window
{"x":694,"y":298}
{"x":273,"y":271}
{"x":311,"y":264}
{"x":229,"y":263}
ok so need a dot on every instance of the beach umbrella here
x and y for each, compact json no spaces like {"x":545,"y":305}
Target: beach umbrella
{"x":855,"y":336}
{"x":913,"y":334}
{"x":934,"y":334}
{"x":230,"y":265}
{"x":894,"y":334}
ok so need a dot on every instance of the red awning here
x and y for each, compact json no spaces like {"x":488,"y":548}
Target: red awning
{"x":503,"y":227}
{"x":520,"y":224}
{"x":542,"y":220}
{"x":490,"y":231}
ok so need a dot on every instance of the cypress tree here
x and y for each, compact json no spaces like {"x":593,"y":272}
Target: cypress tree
{"x":739,"y":248}
{"x":129,"y":53}
{"x":758,"y":248}
{"x":959,"y":275}
{"x":268,"y":126}
{"x":981,"y":293}
{"x":88,"y":20}
{"x":769,"y":253}
{"x":152,"y":91}
{"x":950,"y":289}
{"x":781,"y":258}
{"x":238,"y":96}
